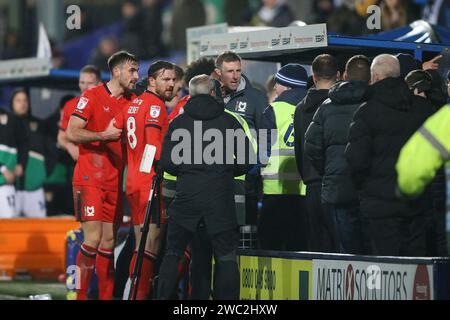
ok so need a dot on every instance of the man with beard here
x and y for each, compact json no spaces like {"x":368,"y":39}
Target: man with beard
{"x":144,"y":122}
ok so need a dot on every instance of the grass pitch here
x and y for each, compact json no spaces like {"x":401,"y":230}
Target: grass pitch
{"x":19,"y":290}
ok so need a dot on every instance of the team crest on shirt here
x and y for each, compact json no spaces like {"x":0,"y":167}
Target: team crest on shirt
{"x":82,"y":103}
{"x":155,"y":111}
{"x":89,"y":211}
{"x":241,"y":106}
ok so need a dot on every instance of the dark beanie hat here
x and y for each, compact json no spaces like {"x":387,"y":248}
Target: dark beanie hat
{"x":407,"y":64}
{"x":292,"y":75}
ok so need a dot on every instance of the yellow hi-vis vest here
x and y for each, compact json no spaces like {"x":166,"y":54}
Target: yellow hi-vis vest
{"x":246,"y":128}
{"x":239,"y":182}
{"x":280,"y":175}
{"x":422,"y":156}
{"x":424,"y":153}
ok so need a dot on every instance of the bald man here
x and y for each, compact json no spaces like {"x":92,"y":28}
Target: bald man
{"x":379,"y":129}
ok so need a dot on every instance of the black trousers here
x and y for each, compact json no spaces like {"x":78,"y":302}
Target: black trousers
{"x":404,"y":236}
{"x":201,"y":265}
{"x":253,"y":190}
{"x":283,"y":223}
{"x":322,"y":223}
{"x":436,"y":233}
{"x":226,"y":273}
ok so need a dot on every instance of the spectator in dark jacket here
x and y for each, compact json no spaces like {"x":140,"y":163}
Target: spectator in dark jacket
{"x":152,"y":28}
{"x":321,"y":229}
{"x":273,"y":13}
{"x":185,"y":14}
{"x":420,"y":82}
{"x":40,"y":158}
{"x":132,"y":29}
{"x":380,"y":128}
{"x":205,"y":189}
{"x":325,"y":142}
{"x":105,"y":49}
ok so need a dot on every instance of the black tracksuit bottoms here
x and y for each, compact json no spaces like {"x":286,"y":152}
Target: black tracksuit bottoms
{"x":322,"y":224}
{"x":226,"y":272}
{"x":399,"y":236}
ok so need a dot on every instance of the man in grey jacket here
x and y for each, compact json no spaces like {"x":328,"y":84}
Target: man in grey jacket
{"x":242,"y":98}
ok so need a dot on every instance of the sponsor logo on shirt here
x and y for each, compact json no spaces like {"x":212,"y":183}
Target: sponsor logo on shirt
{"x":138,"y":101}
{"x":155,"y":111}
{"x":82,"y":103}
{"x":133,"y":110}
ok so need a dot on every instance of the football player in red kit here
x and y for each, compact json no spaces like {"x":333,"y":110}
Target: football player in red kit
{"x":97,"y":177}
{"x":144,"y":121}
{"x":89,"y":77}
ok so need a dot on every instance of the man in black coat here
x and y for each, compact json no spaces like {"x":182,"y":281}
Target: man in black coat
{"x":321,"y":229}
{"x":427,"y":90}
{"x":325,"y":142}
{"x":380,"y":128}
{"x":205,"y":185}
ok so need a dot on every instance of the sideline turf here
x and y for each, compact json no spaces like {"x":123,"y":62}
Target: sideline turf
{"x":17,"y":290}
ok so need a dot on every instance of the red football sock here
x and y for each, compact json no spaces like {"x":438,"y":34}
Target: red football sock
{"x":85,"y":269}
{"x":145,"y":279}
{"x":104,"y":265}
{"x":145,"y":282}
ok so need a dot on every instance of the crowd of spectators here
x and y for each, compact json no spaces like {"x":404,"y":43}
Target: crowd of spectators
{"x":156,"y":28}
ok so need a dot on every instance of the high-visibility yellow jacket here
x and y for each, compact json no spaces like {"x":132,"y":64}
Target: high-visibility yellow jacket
{"x":424,"y":153}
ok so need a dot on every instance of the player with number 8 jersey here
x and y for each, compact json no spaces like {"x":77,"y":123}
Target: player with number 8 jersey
{"x":145,"y":121}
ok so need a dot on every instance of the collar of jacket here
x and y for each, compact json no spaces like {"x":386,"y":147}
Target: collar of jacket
{"x":203,"y":107}
{"x":313,"y":98}
{"x":391,"y":92}
{"x":292,"y":96}
{"x":155,"y":94}
{"x":348,"y":92}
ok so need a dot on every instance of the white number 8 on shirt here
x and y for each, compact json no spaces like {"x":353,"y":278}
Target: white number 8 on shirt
{"x":131,"y":129}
